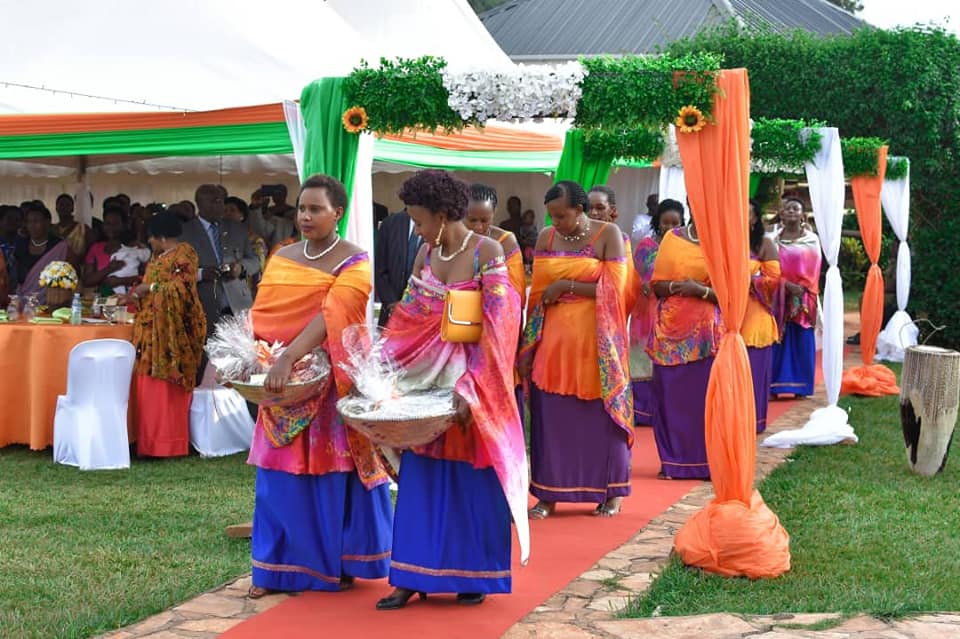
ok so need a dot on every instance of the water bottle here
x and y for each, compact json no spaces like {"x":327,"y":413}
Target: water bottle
{"x":76,"y":310}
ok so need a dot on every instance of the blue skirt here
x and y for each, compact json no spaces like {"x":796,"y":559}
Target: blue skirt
{"x":309,"y":530}
{"x":794,"y":361}
{"x":451,"y":532}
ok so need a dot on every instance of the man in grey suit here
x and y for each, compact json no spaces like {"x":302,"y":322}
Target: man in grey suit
{"x":225,"y":254}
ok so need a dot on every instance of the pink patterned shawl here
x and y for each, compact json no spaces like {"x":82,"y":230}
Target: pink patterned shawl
{"x":481,"y":373}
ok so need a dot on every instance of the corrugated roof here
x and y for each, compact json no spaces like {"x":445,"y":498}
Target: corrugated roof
{"x":547,"y":29}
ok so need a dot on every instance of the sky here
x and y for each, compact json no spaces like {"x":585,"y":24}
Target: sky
{"x":893,"y":13}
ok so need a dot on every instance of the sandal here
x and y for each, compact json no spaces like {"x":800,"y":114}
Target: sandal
{"x":346,"y":582}
{"x":662,"y":475}
{"x":255,"y":592}
{"x":470,"y":598}
{"x":608,"y":509}
{"x":540,"y":511}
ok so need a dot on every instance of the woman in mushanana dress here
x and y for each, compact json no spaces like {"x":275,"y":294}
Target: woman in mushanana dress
{"x":322,"y":512}
{"x":575,"y":356}
{"x":685,"y":338}
{"x":795,"y":357}
{"x":759,"y":328}
{"x":456,"y":495}
{"x":668,"y":215}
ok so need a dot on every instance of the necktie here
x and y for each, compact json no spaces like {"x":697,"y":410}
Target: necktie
{"x":413,"y":245}
{"x":214,"y":232}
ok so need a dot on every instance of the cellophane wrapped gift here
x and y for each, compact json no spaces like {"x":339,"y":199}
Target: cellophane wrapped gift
{"x":377,"y":407}
{"x":243,"y":361}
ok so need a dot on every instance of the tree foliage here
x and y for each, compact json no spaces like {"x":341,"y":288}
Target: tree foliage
{"x":902,"y":86}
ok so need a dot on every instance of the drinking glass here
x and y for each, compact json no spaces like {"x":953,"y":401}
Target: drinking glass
{"x":13,"y":309}
{"x":30,"y":307}
{"x":110,"y":312}
{"x":96,"y":309}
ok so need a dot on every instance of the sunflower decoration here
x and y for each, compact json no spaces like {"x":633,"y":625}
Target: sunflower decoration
{"x":690,"y":119}
{"x":355,"y":119}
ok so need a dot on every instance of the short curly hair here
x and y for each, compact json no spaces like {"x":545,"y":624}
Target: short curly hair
{"x":571,"y":191}
{"x":438,"y":191}
{"x":336,"y":192}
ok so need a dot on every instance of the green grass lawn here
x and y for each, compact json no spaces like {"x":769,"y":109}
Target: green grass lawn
{"x":86,"y":552}
{"x":866,"y":534}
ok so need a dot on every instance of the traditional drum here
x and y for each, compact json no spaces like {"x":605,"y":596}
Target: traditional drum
{"x":929,"y":397}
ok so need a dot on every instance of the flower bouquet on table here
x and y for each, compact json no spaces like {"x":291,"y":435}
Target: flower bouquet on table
{"x":379,"y":407}
{"x":60,"y":281}
{"x":242,"y":361}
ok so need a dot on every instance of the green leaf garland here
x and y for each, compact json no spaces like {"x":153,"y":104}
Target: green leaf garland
{"x":782,"y":146}
{"x":897,"y":168}
{"x":860,"y":155}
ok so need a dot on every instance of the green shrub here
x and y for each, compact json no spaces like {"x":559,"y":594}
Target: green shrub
{"x":936,"y":279}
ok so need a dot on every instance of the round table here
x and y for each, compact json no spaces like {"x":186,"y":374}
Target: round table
{"x":33,"y":367}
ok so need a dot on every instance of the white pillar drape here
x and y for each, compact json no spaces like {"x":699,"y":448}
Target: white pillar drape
{"x":900,"y":331}
{"x":360,"y":221}
{"x":672,"y":186}
{"x":826,"y":425}
{"x":297,"y":131}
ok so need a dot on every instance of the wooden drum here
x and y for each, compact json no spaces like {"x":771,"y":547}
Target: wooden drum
{"x":929,"y":398}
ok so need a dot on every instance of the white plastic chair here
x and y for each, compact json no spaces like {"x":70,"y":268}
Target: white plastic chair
{"x":220,"y":423}
{"x":90,"y":426}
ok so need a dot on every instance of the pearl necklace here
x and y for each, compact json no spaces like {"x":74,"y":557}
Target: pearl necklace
{"x":313,"y":258}
{"x":39,"y":244}
{"x":576,"y":237}
{"x":463,"y":247}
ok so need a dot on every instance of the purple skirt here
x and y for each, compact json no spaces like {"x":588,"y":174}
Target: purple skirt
{"x":761,"y":366}
{"x":577,"y":453}
{"x":680,"y":395}
{"x":643,"y":403}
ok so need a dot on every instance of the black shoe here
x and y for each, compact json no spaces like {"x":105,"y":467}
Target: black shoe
{"x":854,"y":339}
{"x":471,"y":598}
{"x":398,"y":599}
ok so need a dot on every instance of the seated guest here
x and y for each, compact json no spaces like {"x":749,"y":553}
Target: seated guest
{"x":75,"y":234}
{"x":169,"y":333}
{"x":104,"y":263}
{"x":33,"y":252}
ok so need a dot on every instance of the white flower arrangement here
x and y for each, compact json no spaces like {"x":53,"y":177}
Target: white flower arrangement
{"x":59,"y":275}
{"x":522,"y":93}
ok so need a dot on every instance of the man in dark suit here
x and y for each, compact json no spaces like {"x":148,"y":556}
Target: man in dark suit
{"x":225,"y":254}
{"x":393,"y":257}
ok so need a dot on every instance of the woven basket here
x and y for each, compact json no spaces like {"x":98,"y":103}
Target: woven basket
{"x":401,"y":433}
{"x":292,"y":393}
{"x":57,"y":297}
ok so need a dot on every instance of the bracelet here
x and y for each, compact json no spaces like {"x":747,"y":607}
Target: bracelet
{"x":670,"y":287}
{"x":706,"y":292}
{"x":571,"y":286}
{"x":154,"y":287}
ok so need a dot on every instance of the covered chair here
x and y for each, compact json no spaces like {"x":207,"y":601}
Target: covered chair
{"x":90,"y":426}
{"x":220,"y":423}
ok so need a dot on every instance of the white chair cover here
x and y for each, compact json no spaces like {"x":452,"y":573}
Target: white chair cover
{"x":220,"y":423}
{"x":90,"y":425}
{"x":900,"y":332}
{"x":825,"y":176}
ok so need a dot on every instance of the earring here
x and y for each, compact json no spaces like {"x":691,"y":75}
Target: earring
{"x":443,"y":224}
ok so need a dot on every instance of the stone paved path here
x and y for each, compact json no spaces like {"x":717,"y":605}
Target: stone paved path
{"x":586,"y":608}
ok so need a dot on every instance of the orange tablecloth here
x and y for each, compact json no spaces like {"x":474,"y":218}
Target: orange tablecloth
{"x":33,"y":367}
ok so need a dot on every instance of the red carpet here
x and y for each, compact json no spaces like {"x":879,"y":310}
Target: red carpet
{"x":562,"y":548}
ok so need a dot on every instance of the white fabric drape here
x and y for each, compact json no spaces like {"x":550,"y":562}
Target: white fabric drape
{"x":673,"y":187}
{"x":297,"y":131}
{"x":360,"y":221}
{"x":900,"y":332}
{"x":827,"y":191}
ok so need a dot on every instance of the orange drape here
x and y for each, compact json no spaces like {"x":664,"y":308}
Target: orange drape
{"x":870,"y":379}
{"x":736,"y":534}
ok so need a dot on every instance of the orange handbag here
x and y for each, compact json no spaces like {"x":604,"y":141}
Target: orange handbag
{"x":462,"y":317}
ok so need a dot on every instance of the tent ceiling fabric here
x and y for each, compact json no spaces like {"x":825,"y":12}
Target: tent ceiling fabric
{"x":412,"y":28}
{"x":206,"y":55}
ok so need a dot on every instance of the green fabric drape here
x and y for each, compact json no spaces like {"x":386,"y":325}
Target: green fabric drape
{"x":236,"y":139}
{"x":574,"y":166}
{"x":329,"y":149}
{"x":754,"y":184}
